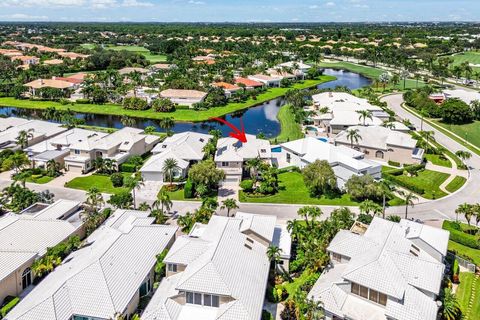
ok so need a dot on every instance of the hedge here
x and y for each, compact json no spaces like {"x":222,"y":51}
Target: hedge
{"x":128,"y":167}
{"x":266,"y":315}
{"x":403,"y":183}
{"x":459,"y":236}
{"x":188,"y":189}
{"x":8,"y":306}
{"x":394,"y":163}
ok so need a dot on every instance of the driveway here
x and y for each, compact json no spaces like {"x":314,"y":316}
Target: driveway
{"x":148,"y":191}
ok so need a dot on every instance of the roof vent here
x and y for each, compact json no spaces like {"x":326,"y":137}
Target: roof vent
{"x":248,"y":246}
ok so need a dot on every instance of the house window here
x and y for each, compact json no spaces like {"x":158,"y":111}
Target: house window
{"x":355,"y":288}
{"x":289,"y":157}
{"x":26,"y":278}
{"x":172,"y":267}
{"x":364,"y":292}
{"x":197,"y":298}
{"x":189,"y":297}
{"x":369,"y":294}
{"x":77,"y":151}
{"x":224,"y":164}
{"x":379,"y":154}
{"x":263,"y":150}
{"x":337,"y":257}
{"x":207,"y":300}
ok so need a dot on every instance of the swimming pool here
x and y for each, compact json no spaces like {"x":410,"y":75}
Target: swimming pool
{"x":277,"y":149}
{"x":323,"y":139}
{"x":310,"y":128}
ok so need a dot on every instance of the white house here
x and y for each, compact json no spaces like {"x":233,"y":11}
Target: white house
{"x":186,"y":148}
{"x":232,"y":154}
{"x":58,"y":147}
{"x":393,"y":271}
{"x":117,"y":146}
{"x":37,"y":131}
{"x":217,"y":271}
{"x":299,"y":67}
{"x":184,"y":97}
{"x":344,"y":161}
{"x":268,"y":81}
{"x":384,"y":144}
{"x":104,"y":279}
{"x":25,"y":237}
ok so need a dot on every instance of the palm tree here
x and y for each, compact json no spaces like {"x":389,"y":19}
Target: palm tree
{"x":353,"y":135}
{"x":368,"y":206}
{"x":229,"y":204}
{"x":127,"y":121}
{"x":365,"y":114}
{"x":133,"y":183}
{"x":94,"y":199}
{"x":384,"y":79}
{"x":313,"y":309}
{"x":252,"y":165}
{"x":464,"y":155}
{"x":466,"y":210}
{"x":310,"y":212}
{"x":23,"y":137}
{"x":450,"y":307}
{"x":273,"y":254}
{"x":167,"y":124}
{"x":409,"y":199}
{"x":169,"y":167}
{"x":163,"y":201}
{"x":386,"y":188}
{"x":428,"y":136}
{"x":53,"y":168}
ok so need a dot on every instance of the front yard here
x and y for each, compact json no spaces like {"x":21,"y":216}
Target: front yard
{"x":101,"y":182}
{"x":426,"y":181}
{"x":456,"y":184}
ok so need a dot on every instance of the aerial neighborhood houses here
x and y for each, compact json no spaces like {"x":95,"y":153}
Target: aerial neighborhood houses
{"x":25,"y":237}
{"x":218,"y":270}
{"x":117,"y":146}
{"x":466,"y":96}
{"x":106,"y":278}
{"x":390,"y":271}
{"x":186,"y":148}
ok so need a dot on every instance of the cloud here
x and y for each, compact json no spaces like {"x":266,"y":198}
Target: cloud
{"x":21,"y":16}
{"x":330,"y":4}
{"x":41,"y":3}
{"x":314,"y":6}
{"x":135,"y":3}
{"x":196,"y":2}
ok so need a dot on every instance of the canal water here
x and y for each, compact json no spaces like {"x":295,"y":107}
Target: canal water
{"x":259,"y":119}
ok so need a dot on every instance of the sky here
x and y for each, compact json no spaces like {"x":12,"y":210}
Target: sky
{"x":240,"y":10}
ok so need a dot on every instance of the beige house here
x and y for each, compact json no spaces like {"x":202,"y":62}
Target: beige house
{"x":117,"y":146}
{"x":184,"y":97}
{"x":50,"y":83}
{"x":383,"y":144}
{"x":25,"y":237}
{"x":107,"y":277}
{"x":232,"y":154}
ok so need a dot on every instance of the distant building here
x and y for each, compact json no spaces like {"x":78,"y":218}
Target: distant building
{"x":248,"y":83}
{"x":269,"y":81}
{"x":184,"y":97}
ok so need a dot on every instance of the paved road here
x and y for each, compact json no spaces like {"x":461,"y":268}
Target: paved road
{"x":446,"y":206}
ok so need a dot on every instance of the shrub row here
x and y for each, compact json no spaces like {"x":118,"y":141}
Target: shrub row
{"x":128,"y":167}
{"x":8,"y":306}
{"x":402,"y":183}
{"x":394,"y":163}
{"x":457,"y":235}
{"x":414,"y":167}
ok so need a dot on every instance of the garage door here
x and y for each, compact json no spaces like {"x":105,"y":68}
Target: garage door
{"x":152,"y":176}
{"x":75,"y":168}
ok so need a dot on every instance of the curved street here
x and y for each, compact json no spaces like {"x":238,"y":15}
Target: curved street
{"x":445,"y":207}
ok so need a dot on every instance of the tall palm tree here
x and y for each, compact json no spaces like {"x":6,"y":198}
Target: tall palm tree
{"x":163,"y":201}
{"x":229,"y":204}
{"x":167,"y":124}
{"x":23,"y":137}
{"x":310,"y":214}
{"x":169,"y":167}
{"x":364,"y":115}
{"x":465,"y":209}
{"x":252,"y":165}
{"x":273,"y":254}
{"x":133,"y":183}
{"x":313,"y":309}
{"x":464,"y":155}
{"x":450,"y":307}
{"x":353,"y":135}
{"x":94,"y":199}
{"x":368,"y":206}
{"x":386,"y":188}
{"x":127,"y":121}
{"x":409,"y":199}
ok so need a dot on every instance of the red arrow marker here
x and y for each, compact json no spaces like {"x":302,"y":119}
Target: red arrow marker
{"x":237,"y":134}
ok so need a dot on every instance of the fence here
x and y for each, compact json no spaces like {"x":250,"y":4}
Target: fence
{"x":471,"y":267}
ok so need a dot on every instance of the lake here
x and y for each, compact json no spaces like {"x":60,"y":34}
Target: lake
{"x":259,"y":119}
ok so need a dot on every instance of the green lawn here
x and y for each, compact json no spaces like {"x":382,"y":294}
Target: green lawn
{"x":468,"y":253}
{"x":41,"y":180}
{"x":290,"y":130}
{"x":293,"y":287}
{"x":102,"y":182}
{"x":470,"y":131}
{"x":294,"y":191}
{"x":371,"y":72}
{"x":89,"y":46}
{"x":469,"y":285}
{"x":437,"y":160}
{"x":472,"y":57}
{"x":180,"y":115}
{"x":429,"y":180}
{"x":153,"y":58}
{"x":178,"y":195}
{"x":455,"y":184}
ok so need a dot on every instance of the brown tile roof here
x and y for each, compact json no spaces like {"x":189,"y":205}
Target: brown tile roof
{"x":248,"y":82}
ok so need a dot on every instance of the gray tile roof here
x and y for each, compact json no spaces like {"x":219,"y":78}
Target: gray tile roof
{"x":222,"y":264}
{"x":100,"y":279}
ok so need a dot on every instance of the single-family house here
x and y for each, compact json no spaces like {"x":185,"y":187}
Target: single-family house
{"x":104,"y":279}
{"x":269,"y":81}
{"x":392,"y":271}
{"x":345,"y":162}
{"x":298,"y":67}
{"x":184,"y":97}
{"x":162,"y":67}
{"x":128,"y":70}
{"x":73,"y":55}
{"x":466,"y":96}
{"x":25,"y":237}
{"x":217,"y":271}
{"x":282,"y":74}
{"x":53,"y":62}
{"x":117,"y":146}
{"x":336,"y":111}
{"x":248,"y":83}
{"x":37,"y":131}
{"x":232,"y":154}
{"x":26,"y":60}
{"x":58,"y":147}
{"x":186,"y":148}
{"x":228,"y":88}
{"x":384,"y":144}
{"x":10,"y":122}
{"x":60,"y":84}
